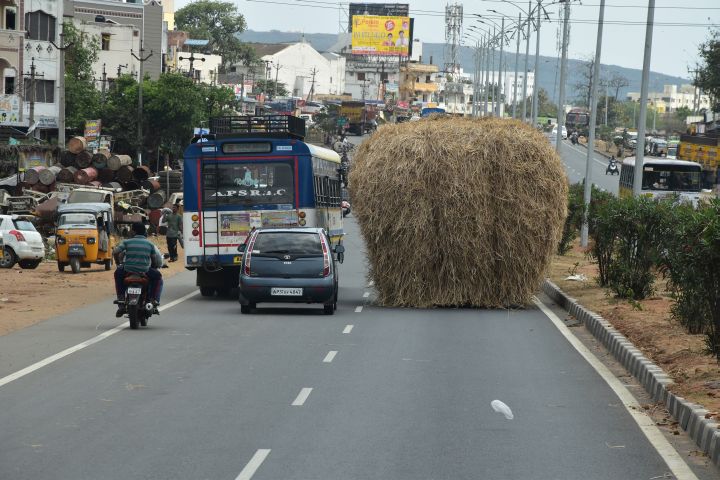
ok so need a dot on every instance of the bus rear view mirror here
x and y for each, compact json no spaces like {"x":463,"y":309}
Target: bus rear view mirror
{"x":241,"y":247}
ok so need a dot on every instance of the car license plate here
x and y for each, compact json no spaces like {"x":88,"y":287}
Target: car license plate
{"x":134,"y":290}
{"x":287,"y":292}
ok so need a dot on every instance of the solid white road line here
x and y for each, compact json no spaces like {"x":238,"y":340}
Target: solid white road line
{"x":584,"y":153}
{"x":358,"y":309}
{"x":330,"y":356}
{"x":348,"y":329}
{"x":54,"y":358}
{"x":254,"y":463}
{"x":366,"y":294}
{"x":302,"y":396}
{"x":674,"y":461}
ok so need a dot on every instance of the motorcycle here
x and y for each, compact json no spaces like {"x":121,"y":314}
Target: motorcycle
{"x":574,"y":138}
{"x":612,"y":168}
{"x":138,"y":306}
{"x":345,"y":208}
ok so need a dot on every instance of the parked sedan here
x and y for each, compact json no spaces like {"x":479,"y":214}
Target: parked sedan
{"x":20,"y":243}
{"x":289,"y":265}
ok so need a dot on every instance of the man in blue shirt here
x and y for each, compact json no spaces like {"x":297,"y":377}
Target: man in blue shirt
{"x":141,"y":255}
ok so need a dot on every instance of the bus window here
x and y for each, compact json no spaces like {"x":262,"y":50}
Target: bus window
{"x":248,"y":184}
{"x":671,"y":179}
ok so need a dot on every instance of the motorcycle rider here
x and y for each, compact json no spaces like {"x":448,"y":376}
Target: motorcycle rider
{"x":141,"y":256}
{"x":612,"y":166}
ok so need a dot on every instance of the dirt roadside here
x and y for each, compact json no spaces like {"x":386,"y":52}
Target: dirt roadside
{"x":28,"y":297}
{"x":649,"y":327}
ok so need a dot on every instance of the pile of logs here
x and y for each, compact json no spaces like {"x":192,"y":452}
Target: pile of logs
{"x":103,"y":169}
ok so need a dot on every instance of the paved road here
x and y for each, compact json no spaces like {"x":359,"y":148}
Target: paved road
{"x":207,"y":393}
{"x":575,"y":158}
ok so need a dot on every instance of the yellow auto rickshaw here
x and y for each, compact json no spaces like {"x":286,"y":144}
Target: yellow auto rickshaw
{"x":83,"y":235}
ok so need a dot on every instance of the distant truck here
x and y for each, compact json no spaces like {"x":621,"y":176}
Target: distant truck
{"x":706,"y":152}
{"x":354,"y":112}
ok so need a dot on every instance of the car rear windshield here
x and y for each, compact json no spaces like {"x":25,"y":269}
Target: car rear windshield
{"x":288,"y":243}
{"x":24,"y":225}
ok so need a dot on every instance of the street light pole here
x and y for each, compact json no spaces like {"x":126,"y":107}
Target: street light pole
{"x":142,"y":61}
{"x":593,"y":120}
{"x":640,"y":146}
{"x":563,"y":76}
{"x":500,"y":66}
{"x":492,"y":79}
{"x":527,"y":55}
{"x":517,"y":60}
{"x":537,"y":66}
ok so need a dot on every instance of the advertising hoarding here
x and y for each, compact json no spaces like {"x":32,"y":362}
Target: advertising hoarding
{"x":381,"y":35}
{"x":387,"y":9}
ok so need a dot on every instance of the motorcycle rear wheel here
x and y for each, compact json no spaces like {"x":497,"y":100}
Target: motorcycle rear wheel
{"x":133,"y":315}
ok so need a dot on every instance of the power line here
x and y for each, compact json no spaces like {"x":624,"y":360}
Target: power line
{"x":432,"y":13}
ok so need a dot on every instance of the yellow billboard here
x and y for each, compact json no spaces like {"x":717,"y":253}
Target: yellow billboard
{"x":380,"y":35}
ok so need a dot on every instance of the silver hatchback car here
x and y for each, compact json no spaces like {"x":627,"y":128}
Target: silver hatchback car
{"x":289,"y":265}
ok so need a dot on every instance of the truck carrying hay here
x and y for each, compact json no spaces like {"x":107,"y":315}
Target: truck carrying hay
{"x":458,"y":212}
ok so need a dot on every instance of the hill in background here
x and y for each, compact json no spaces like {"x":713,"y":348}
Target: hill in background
{"x":548,"y":72}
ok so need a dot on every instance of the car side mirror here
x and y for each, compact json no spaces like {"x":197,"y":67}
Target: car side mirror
{"x":241,"y":248}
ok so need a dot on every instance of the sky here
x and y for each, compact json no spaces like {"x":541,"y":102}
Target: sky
{"x":680,"y":25}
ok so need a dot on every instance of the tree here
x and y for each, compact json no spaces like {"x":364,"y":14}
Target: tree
{"x":617,"y":82}
{"x":82,"y":99}
{"x":583,"y":87}
{"x":270,"y":87}
{"x":708,"y":72}
{"x":218,"y":22}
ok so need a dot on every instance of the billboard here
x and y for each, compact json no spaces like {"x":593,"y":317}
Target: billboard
{"x":381,"y":35}
{"x":386,"y":9}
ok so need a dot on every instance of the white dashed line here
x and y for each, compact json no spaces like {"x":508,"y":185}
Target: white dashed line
{"x":348,"y":329}
{"x":358,"y":309}
{"x":302,"y":396}
{"x":254,"y":463}
{"x":330,"y":356}
{"x":366,"y":294}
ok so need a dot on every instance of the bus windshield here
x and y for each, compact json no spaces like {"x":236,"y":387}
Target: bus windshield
{"x":671,"y":178}
{"x":248,"y":184}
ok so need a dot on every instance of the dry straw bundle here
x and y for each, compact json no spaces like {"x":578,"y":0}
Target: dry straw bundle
{"x":458,"y":212}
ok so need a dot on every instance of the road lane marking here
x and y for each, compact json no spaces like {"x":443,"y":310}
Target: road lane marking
{"x":348,"y":329}
{"x":584,"y":153}
{"x":330,"y":356}
{"x":68,"y":351}
{"x":671,"y":457}
{"x":366,"y":294}
{"x":302,"y":396}
{"x":358,"y":309}
{"x":254,"y":463}
{"x":372,"y":282}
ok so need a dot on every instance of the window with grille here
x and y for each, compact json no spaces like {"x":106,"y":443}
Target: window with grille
{"x":40,"y":26}
{"x":44,"y":91}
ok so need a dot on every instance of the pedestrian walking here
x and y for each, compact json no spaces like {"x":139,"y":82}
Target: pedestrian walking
{"x":174,"y":232}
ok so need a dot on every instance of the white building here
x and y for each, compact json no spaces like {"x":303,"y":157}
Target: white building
{"x":300,"y":68}
{"x":371,"y":79}
{"x":116,"y":44}
{"x":672,"y":98}
{"x":43,"y":20}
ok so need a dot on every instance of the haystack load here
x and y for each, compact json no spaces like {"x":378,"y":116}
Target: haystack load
{"x":458,"y":212}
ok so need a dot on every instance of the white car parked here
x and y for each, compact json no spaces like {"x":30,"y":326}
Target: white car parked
{"x":20,"y":242}
{"x":564,"y":132}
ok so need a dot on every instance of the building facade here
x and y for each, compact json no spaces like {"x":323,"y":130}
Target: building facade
{"x":418,"y":82}
{"x":673,"y":97}
{"x":146,"y":17}
{"x":12,"y":26}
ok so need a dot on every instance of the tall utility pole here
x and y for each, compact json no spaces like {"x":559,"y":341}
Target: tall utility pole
{"x":33,"y":75}
{"x":537,"y":65}
{"x":492,"y":81}
{"x":527,"y":56}
{"x":119,"y":70}
{"x":312,"y":85}
{"x":593,"y":122}
{"x":500,"y":66}
{"x":277,"y":72}
{"x":517,"y":59}
{"x":142,"y":61}
{"x":488,"y":46}
{"x":61,"y":88}
{"x":563,"y":76}
{"x":104,"y":81}
{"x":607,"y":92}
{"x":640,"y":148}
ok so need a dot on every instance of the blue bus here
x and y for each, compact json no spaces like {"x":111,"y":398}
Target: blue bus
{"x":252,"y":172}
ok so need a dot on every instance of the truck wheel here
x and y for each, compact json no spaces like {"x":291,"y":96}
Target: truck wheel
{"x":8,"y":259}
{"x":75,"y":264}
{"x":207,"y":291}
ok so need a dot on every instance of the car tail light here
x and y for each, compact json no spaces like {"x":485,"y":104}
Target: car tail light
{"x":248,"y":254}
{"x":18,"y":236}
{"x":326,"y":257}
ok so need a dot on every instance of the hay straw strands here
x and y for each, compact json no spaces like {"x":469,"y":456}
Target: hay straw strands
{"x":458,"y":212}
